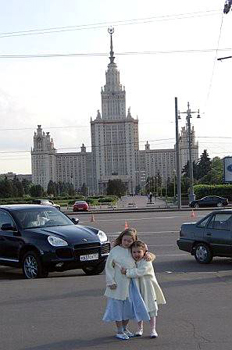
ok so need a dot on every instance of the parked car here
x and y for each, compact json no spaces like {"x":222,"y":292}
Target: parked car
{"x":46,"y":202}
{"x":209,"y":237}
{"x":209,"y":201}
{"x":80,"y":205}
{"x":41,"y":239}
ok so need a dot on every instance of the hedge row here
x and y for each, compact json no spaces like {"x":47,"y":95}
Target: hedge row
{"x":213,"y":190}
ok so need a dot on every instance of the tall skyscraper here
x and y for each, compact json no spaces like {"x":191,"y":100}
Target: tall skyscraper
{"x":114,"y":133}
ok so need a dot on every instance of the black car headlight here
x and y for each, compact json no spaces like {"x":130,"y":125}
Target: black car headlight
{"x":57,"y":242}
{"x":102,"y":236}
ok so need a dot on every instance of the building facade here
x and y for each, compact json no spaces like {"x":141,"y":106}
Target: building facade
{"x":115,"y":150}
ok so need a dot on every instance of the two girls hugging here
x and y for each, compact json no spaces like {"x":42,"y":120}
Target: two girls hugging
{"x":131,"y":286}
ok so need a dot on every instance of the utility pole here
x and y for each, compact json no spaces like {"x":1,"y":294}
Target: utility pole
{"x":188,"y":116}
{"x":178,"y":174}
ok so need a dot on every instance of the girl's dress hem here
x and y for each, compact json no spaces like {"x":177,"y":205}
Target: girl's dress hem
{"x":133,"y":308}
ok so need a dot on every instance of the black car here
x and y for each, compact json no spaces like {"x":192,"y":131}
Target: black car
{"x":46,"y":202}
{"x":209,"y":237}
{"x":41,"y":239}
{"x":209,"y":201}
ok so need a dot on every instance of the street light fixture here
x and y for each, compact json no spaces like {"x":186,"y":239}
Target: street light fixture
{"x":188,"y":116}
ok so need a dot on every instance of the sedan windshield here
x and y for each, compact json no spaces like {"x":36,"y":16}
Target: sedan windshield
{"x":36,"y":217}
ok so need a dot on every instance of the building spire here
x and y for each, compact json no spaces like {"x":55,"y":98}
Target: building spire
{"x":111,"y":32}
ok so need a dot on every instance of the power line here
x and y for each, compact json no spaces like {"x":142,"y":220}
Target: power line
{"x":119,"y":144}
{"x":93,"y":146}
{"x":215,"y":60}
{"x":104,"y":24}
{"x":49,"y":127}
{"x":105,"y":54}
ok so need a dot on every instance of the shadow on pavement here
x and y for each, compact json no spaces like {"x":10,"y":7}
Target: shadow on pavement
{"x":77,"y":344}
{"x":176,"y":266}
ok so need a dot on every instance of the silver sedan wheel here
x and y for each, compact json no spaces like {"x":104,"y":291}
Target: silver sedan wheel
{"x":30,"y":267}
{"x":219,"y":204}
{"x":203,"y":254}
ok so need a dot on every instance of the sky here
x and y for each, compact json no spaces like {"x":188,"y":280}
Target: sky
{"x":53,"y":58}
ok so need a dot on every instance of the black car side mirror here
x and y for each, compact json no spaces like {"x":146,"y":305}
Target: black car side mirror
{"x":75,"y":220}
{"x":8,"y":227}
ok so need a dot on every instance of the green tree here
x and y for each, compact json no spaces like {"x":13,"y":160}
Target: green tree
{"x":116,"y":187}
{"x":17,"y":187}
{"x":36,"y":191}
{"x":84,"y":190}
{"x":52,"y":188}
{"x":71,"y":190}
{"x":186,"y":170}
{"x":215,"y":175}
{"x":6,"y":188}
{"x":26,"y":186}
{"x":203,"y":166}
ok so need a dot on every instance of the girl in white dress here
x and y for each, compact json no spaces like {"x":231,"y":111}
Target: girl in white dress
{"x":149,"y":287}
{"x":124,"y":300}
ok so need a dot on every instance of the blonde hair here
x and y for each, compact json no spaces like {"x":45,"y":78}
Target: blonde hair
{"x":131,"y":232}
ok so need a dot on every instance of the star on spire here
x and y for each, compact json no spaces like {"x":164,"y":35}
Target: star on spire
{"x":111,"y":32}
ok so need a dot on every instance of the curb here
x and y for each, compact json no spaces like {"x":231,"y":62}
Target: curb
{"x":139,"y":210}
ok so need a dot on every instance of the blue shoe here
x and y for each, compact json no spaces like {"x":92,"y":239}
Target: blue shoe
{"x":122,"y":336}
{"x":128,"y":333}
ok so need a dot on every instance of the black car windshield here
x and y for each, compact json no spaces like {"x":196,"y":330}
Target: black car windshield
{"x":44,"y":217}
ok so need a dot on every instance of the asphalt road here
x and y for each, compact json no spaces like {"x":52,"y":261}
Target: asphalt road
{"x":64,"y":311}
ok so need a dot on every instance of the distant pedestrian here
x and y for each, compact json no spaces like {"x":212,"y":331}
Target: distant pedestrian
{"x":150,"y":197}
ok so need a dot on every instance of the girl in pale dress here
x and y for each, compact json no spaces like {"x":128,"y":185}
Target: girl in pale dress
{"x":149,"y":287}
{"x":124,"y":300}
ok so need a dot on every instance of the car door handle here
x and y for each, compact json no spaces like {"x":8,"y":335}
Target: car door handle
{"x":208,"y":234}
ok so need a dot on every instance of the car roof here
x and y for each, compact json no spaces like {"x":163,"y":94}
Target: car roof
{"x":226,"y":211}
{"x":22,"y":206}
{"x":39,"y":199}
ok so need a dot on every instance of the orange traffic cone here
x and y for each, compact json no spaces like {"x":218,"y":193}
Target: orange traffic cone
{"x":92,"y":218}
{"x":126,"y":225}
{"x":193,"y":215}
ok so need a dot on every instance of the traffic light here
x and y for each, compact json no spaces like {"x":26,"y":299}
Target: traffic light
{"x":227,"y":6}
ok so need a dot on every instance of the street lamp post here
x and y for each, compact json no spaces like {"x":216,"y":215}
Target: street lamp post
{"x":178,"y":174}
{"x":174,"y":185}
{"x":188,"y":116}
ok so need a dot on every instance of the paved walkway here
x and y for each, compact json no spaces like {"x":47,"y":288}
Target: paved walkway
{"x":140,"y":202}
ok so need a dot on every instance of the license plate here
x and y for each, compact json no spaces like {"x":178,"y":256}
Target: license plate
{"x":89,"y":257}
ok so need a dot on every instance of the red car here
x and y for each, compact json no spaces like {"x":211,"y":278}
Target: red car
{"x":80,"y":205}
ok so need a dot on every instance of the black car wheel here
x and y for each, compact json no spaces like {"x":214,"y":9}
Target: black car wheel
{"x":94,"y":270}
{"x":196,"y":205}
{"x":203,"y":253}
{"x":32,"y":267}
{"x":219,"y":204}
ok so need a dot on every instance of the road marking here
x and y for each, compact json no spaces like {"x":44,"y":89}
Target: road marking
{"x":145,"y":218}
{"x":115,"y":234}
